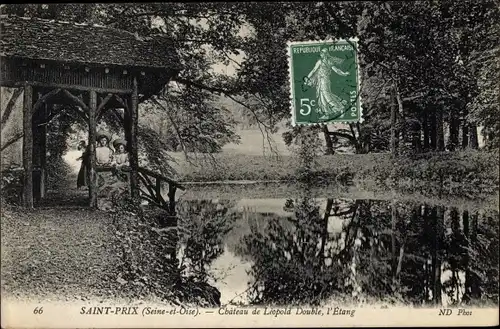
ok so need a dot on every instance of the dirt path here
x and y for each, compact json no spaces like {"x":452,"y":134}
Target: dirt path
{"x":61,"y":249}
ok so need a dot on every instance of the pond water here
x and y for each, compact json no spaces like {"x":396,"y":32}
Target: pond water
{"x":308,"y":249}
{"x":277,"y":243}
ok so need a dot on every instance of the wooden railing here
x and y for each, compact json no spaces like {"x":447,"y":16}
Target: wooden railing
{"x":152,"y":187}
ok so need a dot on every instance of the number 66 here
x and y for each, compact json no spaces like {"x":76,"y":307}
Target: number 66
{"x":38,"y":310}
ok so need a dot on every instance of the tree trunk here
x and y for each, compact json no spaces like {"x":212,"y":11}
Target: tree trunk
{"x":433,"y":130}
{"x":394,"y":219}
{"x":454,"y":252}
{"x":475,"y":283}
{"x":465,"y":134}
{"x":416,"y":141}
{"x":465,"y":222}
{"x":425,"y":128}
{"x":472,"y":281}
{"x":328,"y":140}
{"x":394,"y":150}
{"x":355,"y":139}
{"x":439,"y":131}
{"x":324,"y":235}
{"x":402,"y":117}
{"x":436,"y":258}
{"x":473,"y":140}
{"x":28,"y":146}
{"x":454,"y":130}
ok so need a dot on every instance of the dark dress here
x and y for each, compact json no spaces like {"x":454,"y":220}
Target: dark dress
{"x":82,"y":174}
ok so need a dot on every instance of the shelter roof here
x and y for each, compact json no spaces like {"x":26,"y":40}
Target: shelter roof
{"x":41,"y":39}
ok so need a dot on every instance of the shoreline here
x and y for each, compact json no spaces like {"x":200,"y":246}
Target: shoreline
{"x":461,"y":173}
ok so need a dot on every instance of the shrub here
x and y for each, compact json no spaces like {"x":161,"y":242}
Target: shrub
{"x":147,"y":243}
{"x":12,"y":186}
{"x":467,"y":171}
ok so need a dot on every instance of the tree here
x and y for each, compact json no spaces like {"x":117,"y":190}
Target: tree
{"x":201,"y":34}
{"x":420,"y":71}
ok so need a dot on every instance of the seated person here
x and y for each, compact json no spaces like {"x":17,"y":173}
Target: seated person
{"x":104,"y":155}
{"x":121,"y":156}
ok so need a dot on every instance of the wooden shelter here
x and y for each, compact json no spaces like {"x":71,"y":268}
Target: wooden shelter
{"x":93,"y":67}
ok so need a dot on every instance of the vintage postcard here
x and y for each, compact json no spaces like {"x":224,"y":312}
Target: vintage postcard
{"x":262,"y":164}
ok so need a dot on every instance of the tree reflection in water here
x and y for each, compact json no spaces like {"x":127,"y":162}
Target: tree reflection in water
{"x":381,"y":252}
{"x":385,"y":252}
{"x":203,"y":225}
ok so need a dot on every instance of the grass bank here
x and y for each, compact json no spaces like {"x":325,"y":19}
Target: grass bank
{"x":452,"y":172}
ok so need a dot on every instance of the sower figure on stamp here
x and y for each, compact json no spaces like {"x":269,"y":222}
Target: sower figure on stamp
{"x":319,"y":78}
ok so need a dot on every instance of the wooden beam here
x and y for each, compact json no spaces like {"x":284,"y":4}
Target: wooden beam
{"x":45,"y":97}
{"x":159,"y":176}
{"x":155,"y":193}
{"x":69,"y":87}
{"x":171,"y":199}
{"x":100,"y":108}
{"x":28,"y":146}
{"x":122,"y":102}
{"x":133,"y":125}
{"x":147,"y":184}
{"x":146,"y":197}
{"x":39,"y":129}
{"x":83,"y":114}
{"x":92,"y":176}
{"x":43,"y":154}
{"x":126,"y":127}
{"x":77,"y":100}
{"x":158,"y":187}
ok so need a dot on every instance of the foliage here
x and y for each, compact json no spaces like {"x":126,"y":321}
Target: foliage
{"x":194,"y":121}
{"x":204,"y":226}
{"x":12,"y":186}
{"x":142,"y":250}
{"x":416,"y":60}
{"x":152,"y":152}
{"x":148,"y":251}
{"x":465,"y":173}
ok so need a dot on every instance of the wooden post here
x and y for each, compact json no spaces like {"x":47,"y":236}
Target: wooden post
{"x":171,"y":199}
{"x":158,"y":190}
{"x":40,"y":143}
{"x":36,"y":121}
{"x":172,"y":221}
{"x":134,"y":157}
{"x":43,"y":154}
{"x":28,"y":146}
{"x":92,"y":176}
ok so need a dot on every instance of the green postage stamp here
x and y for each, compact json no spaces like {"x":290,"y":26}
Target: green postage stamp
{"x":324,"y":82}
